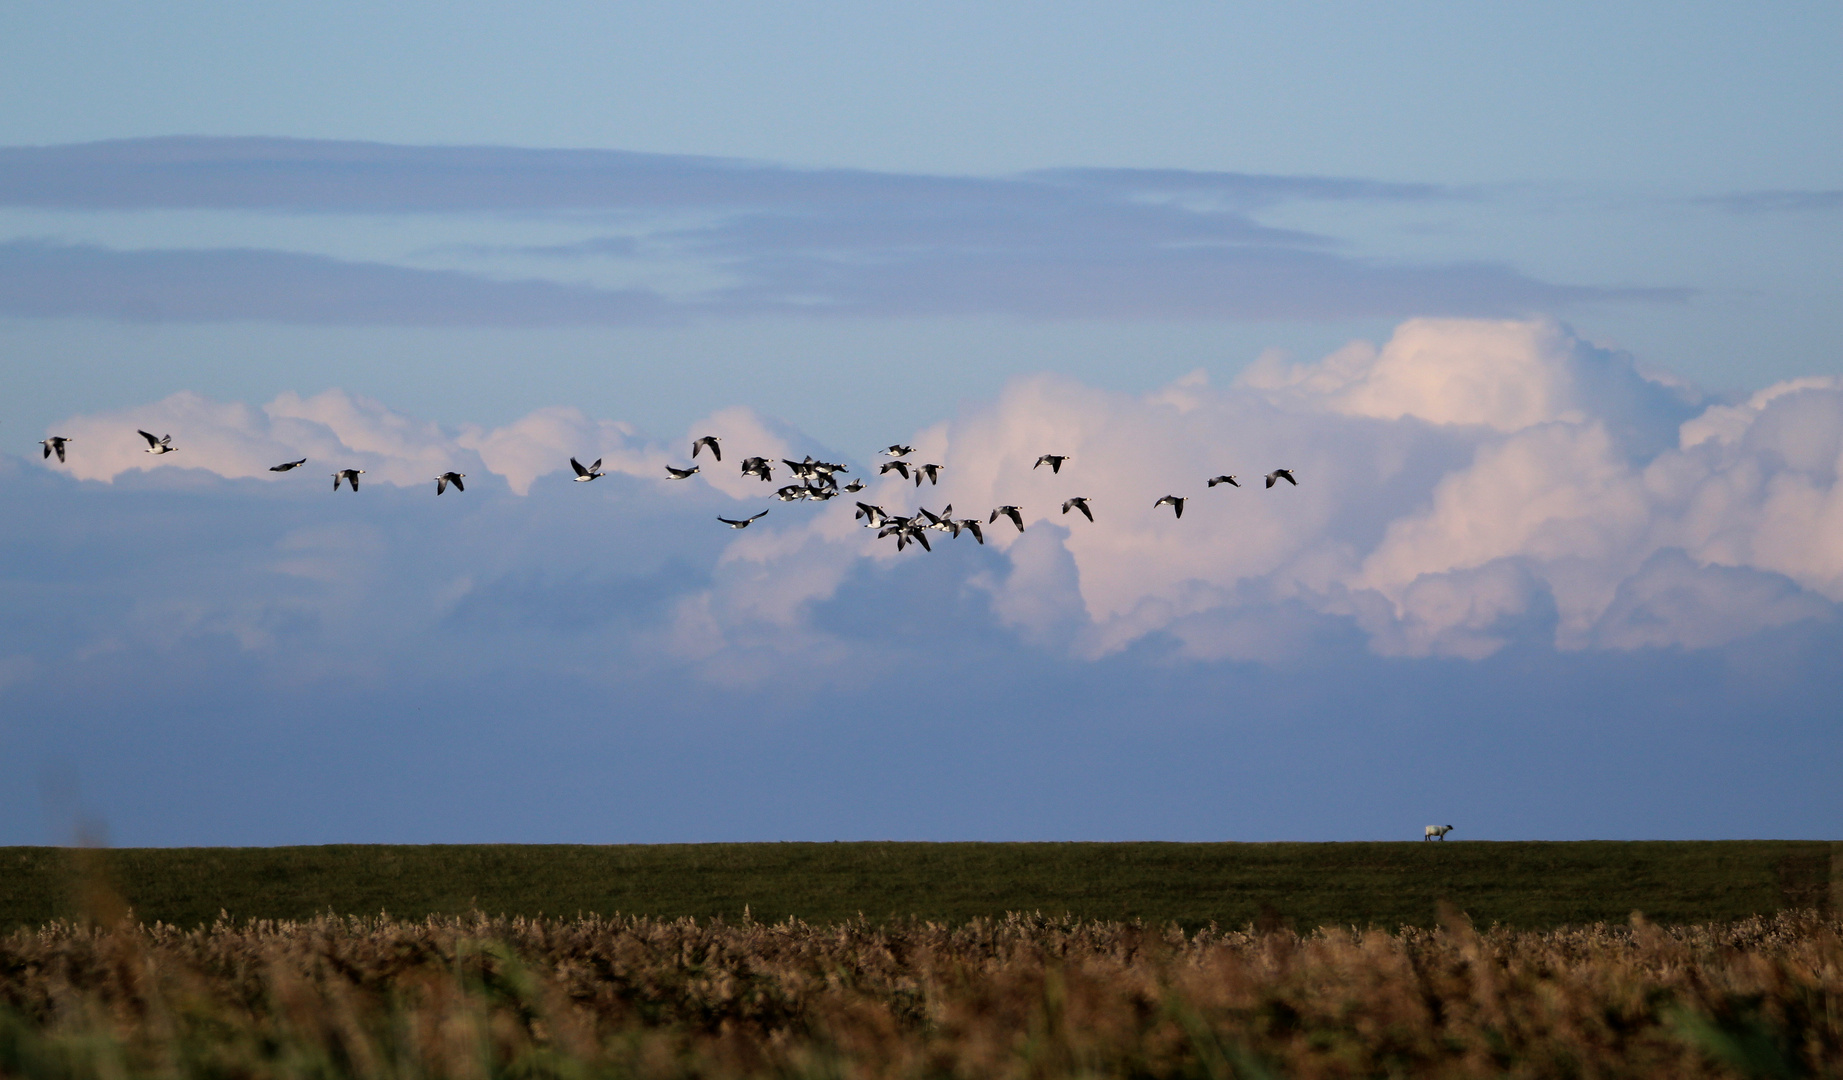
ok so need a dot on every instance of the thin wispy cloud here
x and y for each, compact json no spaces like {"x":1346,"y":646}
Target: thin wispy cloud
{"x":1777,"y":202}
{"x":766,"y":240}
{"x":317,"y":175}
{"x":47,"y":280}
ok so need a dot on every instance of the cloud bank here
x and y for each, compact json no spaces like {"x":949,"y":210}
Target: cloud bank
{"x":1465,"y":485}
{"x":1521,"y":585}
{"x":693,"y":237}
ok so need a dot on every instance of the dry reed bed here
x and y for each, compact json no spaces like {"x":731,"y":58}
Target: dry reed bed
{"x":1024,"y":997}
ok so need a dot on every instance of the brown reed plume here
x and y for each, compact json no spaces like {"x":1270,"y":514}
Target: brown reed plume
{"x":1022,"y":998}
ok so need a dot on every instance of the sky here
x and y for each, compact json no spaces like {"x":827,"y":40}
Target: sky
{"x":1538,"y":302}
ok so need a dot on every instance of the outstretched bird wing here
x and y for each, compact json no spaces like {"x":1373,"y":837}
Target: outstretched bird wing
{"x":151,"y":441}
{"x":577,"y":465}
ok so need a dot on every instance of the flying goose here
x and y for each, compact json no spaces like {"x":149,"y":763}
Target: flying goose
{"x":742,"y":524}
{"x":55,"y":444}
{"x":350,"y":476}
{"x":910,"y":534}
{"x":791,"y":492}
{"x":162,"y":445}
{"x":970,"y":525}
{"x":899,"y":450}
{"x":759,"y":468}
{"x":932,"y":472}
{"x":901,"y":468}
{"x":1173,"y":501}
{"x":1281,"y":474}
{"x":1229,"y":480}
{"x":874,"y":516}
{"x":287,"y":466}
{"x":809,"y":469}
{"x":442,"y":482}
{"x":1079,"y":502}
{"x":710,"y":441}
{"x":1053,"y":460}
{"x":1015,"y":513}
{"x":583,"y":475}
{"x":680,"y":474}
{"x":855,"y":486}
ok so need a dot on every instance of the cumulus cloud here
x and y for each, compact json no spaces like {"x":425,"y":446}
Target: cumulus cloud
{"x":543,"y":442}
{"x":1507,"y":375}
{"x":336,"y":430}
{"x":1463,"y":486}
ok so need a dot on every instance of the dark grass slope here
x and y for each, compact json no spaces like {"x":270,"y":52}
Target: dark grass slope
{"x":1524,"y":885}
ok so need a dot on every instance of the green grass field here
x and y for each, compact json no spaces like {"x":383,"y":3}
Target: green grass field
{"x":1523,"y":885}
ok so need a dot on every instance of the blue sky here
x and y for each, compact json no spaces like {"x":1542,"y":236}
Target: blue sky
{"x":1540,"y":300}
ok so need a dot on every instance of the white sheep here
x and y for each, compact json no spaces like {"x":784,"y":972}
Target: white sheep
{"x":1436,"y":832}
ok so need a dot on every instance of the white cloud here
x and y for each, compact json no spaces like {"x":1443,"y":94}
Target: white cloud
{"x":1672,"y":600}
{"x":332,"y":430}
{"x":1504,"y":374}
{"x":1462,"y":486}
{"x":336,"y":430}
{"x":543,"y":442}
{"x":1728,"y":423}
{"x":1559,"y":494}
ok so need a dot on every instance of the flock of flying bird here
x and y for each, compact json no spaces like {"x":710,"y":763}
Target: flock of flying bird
{"x":818,"y":483}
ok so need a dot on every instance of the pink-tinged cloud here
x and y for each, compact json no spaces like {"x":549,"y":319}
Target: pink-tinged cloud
{"x":1464,"y":485}
{"x":336,"y":430}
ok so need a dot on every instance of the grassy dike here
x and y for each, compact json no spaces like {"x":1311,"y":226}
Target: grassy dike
{"x":1521,"y":885}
